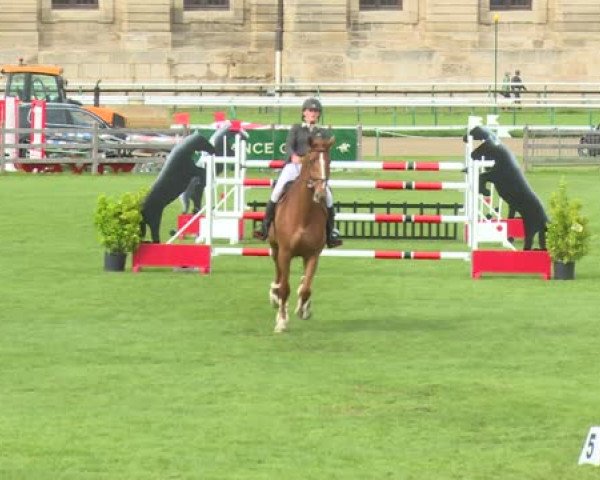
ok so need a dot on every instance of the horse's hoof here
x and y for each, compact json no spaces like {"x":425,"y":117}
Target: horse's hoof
{"x":303,"y":311}
{"x":279,"y":329}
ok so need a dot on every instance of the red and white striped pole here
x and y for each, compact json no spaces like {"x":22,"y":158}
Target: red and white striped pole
{"x":11,"y":122}
{"x":376,"y":254}
{"x":38,"y":123}
{"x":370,"y":217}
{"x":368,"y":184}
{"x":362,"y":165}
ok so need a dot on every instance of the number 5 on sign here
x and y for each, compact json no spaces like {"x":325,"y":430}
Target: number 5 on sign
{"x":591,"y":448}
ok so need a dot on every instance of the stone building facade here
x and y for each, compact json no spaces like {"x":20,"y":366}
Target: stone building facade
{"x":332,"y":41}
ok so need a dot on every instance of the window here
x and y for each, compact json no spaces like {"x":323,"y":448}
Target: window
{"x":74,"y":4}
{"x":380,"y":5}
{"x":44,"y":87}
{"x":510,"y":4}
{"x":16,"y":86}
{"x":205,"y":4}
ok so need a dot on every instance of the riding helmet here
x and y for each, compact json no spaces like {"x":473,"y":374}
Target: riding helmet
{"x":312,"y":103}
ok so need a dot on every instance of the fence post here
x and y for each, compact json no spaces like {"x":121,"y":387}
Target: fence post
{"x":359,"y":142}
{"x":2,"y":154}
{"x":526,"y":153}
{"x":95,"y":150}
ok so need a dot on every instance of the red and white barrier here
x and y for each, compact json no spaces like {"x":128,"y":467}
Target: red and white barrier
{"x":11,"y":122}
{"x":38,"y":123}
{"x":376,"y":254}
{"x":371,"y":184}
{"x":372,"y":217}
{"x":360,"y":165}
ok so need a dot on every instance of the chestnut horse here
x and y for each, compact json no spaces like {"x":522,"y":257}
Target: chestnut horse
{"x":298,"y":230}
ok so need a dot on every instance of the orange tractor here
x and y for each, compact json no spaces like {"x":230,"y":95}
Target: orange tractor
{"x":45,"y":82}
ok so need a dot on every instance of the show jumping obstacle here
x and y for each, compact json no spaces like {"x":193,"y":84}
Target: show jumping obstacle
{"x":480,"y":225}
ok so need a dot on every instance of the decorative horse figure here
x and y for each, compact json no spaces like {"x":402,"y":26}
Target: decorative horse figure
{"x":298,"y":230}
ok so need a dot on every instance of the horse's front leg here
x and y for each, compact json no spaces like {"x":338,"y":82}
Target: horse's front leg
{"x":283,"y":263}
{"x":274,"y":288}
{"x":303,"y":308}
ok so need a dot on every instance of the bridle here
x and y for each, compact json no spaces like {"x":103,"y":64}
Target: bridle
{"x":323,"y":177}
{"x":314,"y":182}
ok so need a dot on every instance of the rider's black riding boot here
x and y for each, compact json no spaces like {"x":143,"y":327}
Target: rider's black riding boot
{"x":263,"y":233}
{"x":333,"y":236}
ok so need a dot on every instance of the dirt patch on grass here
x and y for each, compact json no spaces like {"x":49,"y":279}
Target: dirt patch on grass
{"x":423,"y":146}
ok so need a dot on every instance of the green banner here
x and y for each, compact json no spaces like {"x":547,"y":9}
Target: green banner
{"x":269,"y":144}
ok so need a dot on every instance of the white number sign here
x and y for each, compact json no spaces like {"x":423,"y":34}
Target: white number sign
{"x":591,"y":448}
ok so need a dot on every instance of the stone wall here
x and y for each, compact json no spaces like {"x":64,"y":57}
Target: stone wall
{"x":427,"y":41}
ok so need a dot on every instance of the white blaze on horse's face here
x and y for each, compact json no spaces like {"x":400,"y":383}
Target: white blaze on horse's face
{"x":320,"y":181}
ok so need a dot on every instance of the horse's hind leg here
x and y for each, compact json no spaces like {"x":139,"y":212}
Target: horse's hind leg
{"x":284,"y":292}
{"x":303,"y":308}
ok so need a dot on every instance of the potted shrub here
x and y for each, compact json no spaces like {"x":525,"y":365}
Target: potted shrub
{"x":118,"y":221}
{"x":568,"y":233}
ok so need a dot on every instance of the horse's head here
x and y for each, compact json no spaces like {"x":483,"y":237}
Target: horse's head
{"x":316,"y":165}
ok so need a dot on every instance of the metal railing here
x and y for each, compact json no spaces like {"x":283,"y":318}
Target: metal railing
{"x":554,"y":147}
{"x":473,"y":94}
{"x":90,"y":149}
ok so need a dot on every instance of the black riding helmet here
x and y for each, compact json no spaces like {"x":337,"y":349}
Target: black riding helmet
{"x":312,"y":103}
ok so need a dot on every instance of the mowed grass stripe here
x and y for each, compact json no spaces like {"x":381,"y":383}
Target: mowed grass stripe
{"x":408,"y":369}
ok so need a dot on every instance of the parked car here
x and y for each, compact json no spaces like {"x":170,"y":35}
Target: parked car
{"x":69,"y":131}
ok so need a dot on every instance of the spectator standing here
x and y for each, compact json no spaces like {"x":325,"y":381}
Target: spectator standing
{"x":517,"y":86}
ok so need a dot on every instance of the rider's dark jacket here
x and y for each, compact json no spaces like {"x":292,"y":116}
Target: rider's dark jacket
{"x":297,"y":139}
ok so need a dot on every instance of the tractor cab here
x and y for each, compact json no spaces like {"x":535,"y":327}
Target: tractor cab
{"x":35,"y":82}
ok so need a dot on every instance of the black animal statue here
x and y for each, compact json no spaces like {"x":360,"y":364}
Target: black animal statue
{"x":173,"y":179}
{"x":223,"y":141}
{"x":511,"y":184}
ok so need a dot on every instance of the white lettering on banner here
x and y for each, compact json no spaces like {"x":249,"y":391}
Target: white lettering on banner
{"x":260,"y":148}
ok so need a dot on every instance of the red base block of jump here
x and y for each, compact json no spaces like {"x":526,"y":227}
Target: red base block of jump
{"x":501,"y":261}
{"x":515,"y":228}
{"x":170,"y":255}
{"x":193,"y":228}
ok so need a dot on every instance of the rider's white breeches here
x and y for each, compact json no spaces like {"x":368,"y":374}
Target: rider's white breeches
{"x":290,"y":172}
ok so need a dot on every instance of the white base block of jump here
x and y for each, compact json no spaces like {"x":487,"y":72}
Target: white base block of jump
{"x":494,"y":232}
{"x":224,"y":228}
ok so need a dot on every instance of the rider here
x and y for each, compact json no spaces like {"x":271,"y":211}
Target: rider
{"x":297,"y":146}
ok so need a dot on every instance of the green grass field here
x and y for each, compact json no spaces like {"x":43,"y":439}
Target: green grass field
{"x":407,"y":370}
{"x":405,"y":116}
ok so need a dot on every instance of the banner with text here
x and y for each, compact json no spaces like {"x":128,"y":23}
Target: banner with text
{"x":269,"y":143}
